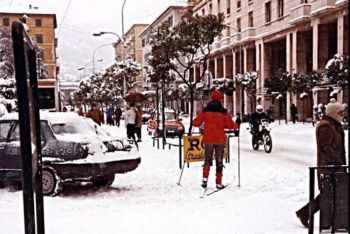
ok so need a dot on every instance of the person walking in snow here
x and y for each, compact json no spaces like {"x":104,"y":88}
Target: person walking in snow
{"x":215,"y":119}
{"x":110,"y":115}
{"x":130,"y":118}
{"x":293,"y":112}
{"x":95,"y":114}
{"x":330,"y":151}
{"x":118,"y":113}
{"x":138,"y":121}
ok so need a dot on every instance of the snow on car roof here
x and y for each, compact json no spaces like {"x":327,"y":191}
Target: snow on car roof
{"x":52,"y":117}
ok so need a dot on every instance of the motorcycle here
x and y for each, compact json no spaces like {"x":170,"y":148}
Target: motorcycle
{"x":264,"y":138}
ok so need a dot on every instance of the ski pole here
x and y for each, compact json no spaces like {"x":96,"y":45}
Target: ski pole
{"x":239,"y":164}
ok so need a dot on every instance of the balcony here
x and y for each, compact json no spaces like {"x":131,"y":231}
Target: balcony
{"x":235,"y":39}
{"x":216,"y":45}
{"x":225,"y":42}
{"x":322,"y":6}
{"x":340,"y":3}
{"x":300,"y":14}
{"x":248,"y":34}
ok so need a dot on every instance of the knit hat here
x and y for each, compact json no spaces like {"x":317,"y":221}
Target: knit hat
{"x":333,"y":108}
{"x":216,"y":96}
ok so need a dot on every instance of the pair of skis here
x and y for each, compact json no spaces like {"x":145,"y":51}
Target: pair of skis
{"x":205,"y":191}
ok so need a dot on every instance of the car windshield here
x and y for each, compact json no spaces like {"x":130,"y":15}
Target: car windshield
{"x":71,"y":128}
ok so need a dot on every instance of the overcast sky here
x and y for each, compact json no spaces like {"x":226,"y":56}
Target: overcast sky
{"x":78,"y":19}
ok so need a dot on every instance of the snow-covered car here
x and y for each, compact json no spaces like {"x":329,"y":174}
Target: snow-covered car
{"x":173,"y":125}
{"x":71,"y":152}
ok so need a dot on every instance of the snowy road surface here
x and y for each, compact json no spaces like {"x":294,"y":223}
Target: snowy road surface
{"x":148,"y":200}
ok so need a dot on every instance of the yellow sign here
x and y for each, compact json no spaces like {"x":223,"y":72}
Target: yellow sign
{"x":194,"y":149}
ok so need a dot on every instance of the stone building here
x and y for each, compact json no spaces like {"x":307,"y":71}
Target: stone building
{"x":41,"y":28}
{"x":264,"y":36}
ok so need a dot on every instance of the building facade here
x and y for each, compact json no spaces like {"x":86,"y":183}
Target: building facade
{"x":41,"y":28}
{"x":132,"y":49}
{"x":265,"y":36}
{"x":173,"y":15}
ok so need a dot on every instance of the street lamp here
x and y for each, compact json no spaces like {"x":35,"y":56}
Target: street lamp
{"x":93,"y":55}
{"x":120,"y":39}
{"x":123,"y":18}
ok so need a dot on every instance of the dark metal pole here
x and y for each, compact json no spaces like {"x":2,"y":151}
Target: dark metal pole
{"x":24,"y":123}
{"x":35,"y":117}
{"x":239,"y":163}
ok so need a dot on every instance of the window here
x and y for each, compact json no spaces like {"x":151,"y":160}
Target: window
{"x":203,"y":11}
{"x":250,"y":2}
{"x":219,"y":6}
{"x":143,"y":42}
{"x":238,"y":24}
{"x":210,"y":8}
{"x":268,"y":12}
{"x":170,"y":20}
{"x":39,"y":38}
{"x":4,"y":130}
{"x":228,"y":9}
{"x":280,"y":8}
{"x":38,"y":23}
{"x":5,"y":22}
{"x":250,"y":19}
{"x":238,"y":5}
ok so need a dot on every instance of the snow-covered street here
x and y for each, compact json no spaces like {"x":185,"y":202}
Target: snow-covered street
{"x":148,"y":200}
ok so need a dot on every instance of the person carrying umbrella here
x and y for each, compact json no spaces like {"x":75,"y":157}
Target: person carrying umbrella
{"x":130,"y":119}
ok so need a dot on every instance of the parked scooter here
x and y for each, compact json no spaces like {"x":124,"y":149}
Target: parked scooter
{"x":263,"y":137}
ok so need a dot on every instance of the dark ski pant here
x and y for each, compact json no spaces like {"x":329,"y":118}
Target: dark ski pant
{"x":219,"y":154}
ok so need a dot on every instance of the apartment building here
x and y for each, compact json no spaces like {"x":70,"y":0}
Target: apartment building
{"x":173,"y":15}
{"x":264,"y":36}
{"x":132,"y":49}
{"x":41,"y":28}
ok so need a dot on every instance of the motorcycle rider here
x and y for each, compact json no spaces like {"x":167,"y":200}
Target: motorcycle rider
{"x":255,"y":120}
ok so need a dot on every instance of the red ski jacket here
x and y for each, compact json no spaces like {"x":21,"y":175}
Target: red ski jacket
{"x":215,"y":119}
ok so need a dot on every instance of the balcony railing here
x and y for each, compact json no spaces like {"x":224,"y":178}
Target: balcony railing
{"x":321,"y":6}
{"x":216,"y":45}
{"x":248,"y":34}
{"x":339,"y":3}
{"x":236,"y":39}
{"x":225,"y":41}
{"x":300,"y":13}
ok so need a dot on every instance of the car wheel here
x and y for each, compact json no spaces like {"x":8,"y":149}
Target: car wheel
{"x":51,"y":186}
{"x":105,"y":181}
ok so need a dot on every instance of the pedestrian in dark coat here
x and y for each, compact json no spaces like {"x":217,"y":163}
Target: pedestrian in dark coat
{"x":138,"y":121}
{"x":330,"y":150}
{"x":117,"y":114}
{"x":95,"y":114}
{"x":215,"y":119}
{"x":110,"y":115}
{"x":293,"y":112}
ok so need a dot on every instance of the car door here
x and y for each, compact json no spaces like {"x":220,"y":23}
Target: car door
{"x":12,"y":158}
{"x":5,"y":127}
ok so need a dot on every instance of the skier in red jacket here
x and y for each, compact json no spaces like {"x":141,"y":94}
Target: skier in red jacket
{"x":215,"y":119}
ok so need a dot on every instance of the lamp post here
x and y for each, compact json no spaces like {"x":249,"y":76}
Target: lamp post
{"x":93,"y":55}
{"x":123,"y":18}
{"x":120,"y":39}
